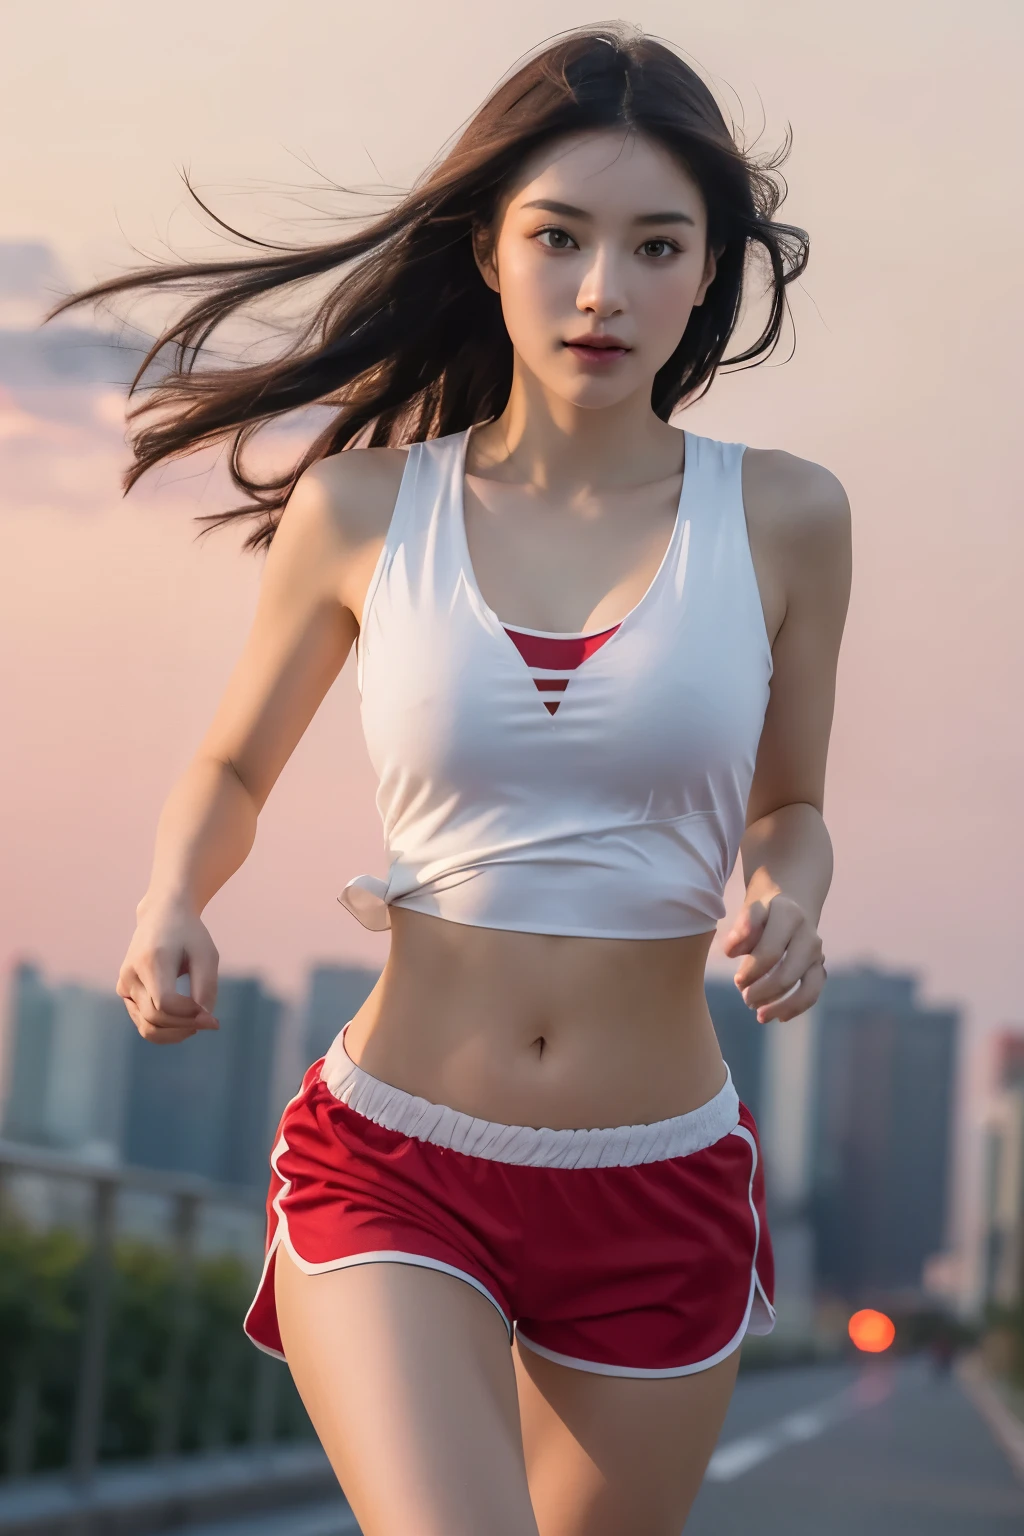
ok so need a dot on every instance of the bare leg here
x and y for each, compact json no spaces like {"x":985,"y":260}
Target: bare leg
{"x":407,"y":1376}
{"x":611,"y":1454}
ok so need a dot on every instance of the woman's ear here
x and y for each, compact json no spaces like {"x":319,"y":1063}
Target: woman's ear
{"x":710,"y":268}
{"x":483,"y":255}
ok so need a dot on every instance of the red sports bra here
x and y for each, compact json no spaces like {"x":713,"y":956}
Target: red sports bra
{"x":553,"y":658}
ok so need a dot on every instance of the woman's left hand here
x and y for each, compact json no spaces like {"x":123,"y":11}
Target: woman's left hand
{"x":783,"y":969}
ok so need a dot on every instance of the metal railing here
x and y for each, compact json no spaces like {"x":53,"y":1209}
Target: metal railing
{"x":185,"y":1199}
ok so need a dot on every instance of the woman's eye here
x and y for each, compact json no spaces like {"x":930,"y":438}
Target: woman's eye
{"x":659,"y":248}
{"x":556,"y":239}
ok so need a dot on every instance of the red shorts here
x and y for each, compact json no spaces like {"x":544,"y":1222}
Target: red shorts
{"x":630,"y":1251}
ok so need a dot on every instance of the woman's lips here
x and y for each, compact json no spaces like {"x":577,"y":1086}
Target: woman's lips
{"x":598,"y":354}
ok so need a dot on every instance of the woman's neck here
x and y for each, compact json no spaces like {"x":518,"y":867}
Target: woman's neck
{"x":552,"y":444}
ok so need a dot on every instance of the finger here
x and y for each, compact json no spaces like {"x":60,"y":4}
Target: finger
{"x":150,"y":1012}
{"x":203,"y":980}
{"x":803,"y":950}
{"x":802,"y":998}
{"x":147,"y":1021}
{"x":159,"y":1034}
{"x":127,"y":978}
{"x":159,"y":972}
{"x":201,"y":1018}
{"x":746,"y":930}
{"x":783,"y":921}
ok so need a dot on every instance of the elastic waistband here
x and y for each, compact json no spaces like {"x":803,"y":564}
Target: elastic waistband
{"x":619,"y":1146}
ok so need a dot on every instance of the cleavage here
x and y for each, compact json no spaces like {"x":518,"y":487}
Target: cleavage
{"x":560,"y":572}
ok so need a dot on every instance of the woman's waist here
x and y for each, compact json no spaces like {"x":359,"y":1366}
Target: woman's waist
{"x":637,"y":879}
{"x":509,"y":1142}
{"x":533,"y":1029}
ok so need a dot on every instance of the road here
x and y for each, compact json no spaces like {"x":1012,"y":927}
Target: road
{"x":884,"y":1449}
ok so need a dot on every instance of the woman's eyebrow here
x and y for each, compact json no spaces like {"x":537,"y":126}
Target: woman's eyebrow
{"x":670,"y":216}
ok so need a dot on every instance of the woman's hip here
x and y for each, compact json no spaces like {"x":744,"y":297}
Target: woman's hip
{"x":633,"y":1249}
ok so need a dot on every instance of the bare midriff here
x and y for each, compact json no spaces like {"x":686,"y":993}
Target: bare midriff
{"x":538,"y":1029}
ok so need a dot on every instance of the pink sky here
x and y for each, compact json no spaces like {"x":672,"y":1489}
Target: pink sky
{"x":117,"y":630}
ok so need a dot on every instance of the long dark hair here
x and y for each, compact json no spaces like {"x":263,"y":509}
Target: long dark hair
{"x":410,"y":343}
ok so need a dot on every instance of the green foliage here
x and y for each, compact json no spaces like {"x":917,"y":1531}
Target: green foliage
{"x":204,"y":1355}
{"x":1009,"y":1322}
{"x":41,"y":1285}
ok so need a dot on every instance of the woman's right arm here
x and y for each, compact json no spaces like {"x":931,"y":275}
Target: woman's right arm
{"x":316,"y":574}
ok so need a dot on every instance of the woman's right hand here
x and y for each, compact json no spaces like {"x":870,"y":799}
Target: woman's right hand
{"x":169,"y":942}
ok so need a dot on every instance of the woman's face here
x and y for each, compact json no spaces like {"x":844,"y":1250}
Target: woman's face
{"x":599,"y":256}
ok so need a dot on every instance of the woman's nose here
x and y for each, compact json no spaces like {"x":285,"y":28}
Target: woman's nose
{"x":602,"y":290}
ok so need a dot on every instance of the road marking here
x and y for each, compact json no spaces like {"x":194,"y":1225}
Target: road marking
{"x":739,"y":1456}
{"x":1005,"y":1426}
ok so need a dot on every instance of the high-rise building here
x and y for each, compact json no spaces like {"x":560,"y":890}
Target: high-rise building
{"x":1002,"y":1278}
{"x":772,"y":1068}
{"x":205,"y":1106}
{"x":1009,"y":1058}
{"x":68,"y":1048}
{"x":883,"y":1110}
{"x":29,"y":1049}
{"x":742,"y":1040}
{"x":335,"y":993}
{"x":85,"y":1104}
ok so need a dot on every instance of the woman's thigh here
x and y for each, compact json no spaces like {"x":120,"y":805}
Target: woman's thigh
{"x":407,"y":1376}
{"x":610,"y":1454}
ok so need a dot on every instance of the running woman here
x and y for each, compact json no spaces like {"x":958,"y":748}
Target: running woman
{"x":517,"y":1216}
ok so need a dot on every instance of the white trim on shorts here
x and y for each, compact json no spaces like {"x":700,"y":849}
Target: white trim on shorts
{"x":616,"y":1146}
{"x":282,"y":1238}
{"x":765,"y":1323}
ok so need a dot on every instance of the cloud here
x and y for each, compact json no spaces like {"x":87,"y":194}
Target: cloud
{"x":28,"y":268}
{"x":109,"y":407}
{"x":31,"y":281}
{"x":14,"y":421}
{"x":65,"y":354}
{"x":63,"y":449}
{"x":66,"y":351}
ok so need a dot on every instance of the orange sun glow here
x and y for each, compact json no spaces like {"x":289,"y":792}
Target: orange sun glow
{"x":871,"y":1331}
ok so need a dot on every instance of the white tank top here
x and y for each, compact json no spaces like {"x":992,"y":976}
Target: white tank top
{"x":619,"y":815}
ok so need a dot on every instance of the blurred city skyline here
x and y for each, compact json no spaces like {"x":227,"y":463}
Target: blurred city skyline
{"x":855,"y":1104}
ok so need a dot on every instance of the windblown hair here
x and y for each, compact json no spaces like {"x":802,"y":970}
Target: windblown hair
{"x":409,"y":342}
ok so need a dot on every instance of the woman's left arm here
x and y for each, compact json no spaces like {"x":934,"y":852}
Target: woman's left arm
{"x":786,"y":850}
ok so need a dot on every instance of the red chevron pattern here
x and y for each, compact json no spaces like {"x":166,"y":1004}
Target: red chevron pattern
{"x":552,"y":659}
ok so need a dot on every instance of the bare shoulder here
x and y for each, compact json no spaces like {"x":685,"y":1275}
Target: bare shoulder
{"x":798,"y":520}
{"x":335,"y":523}
{"x":333,"y":527}
{"x":794,"y":505}
{"x":348,"y":499}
